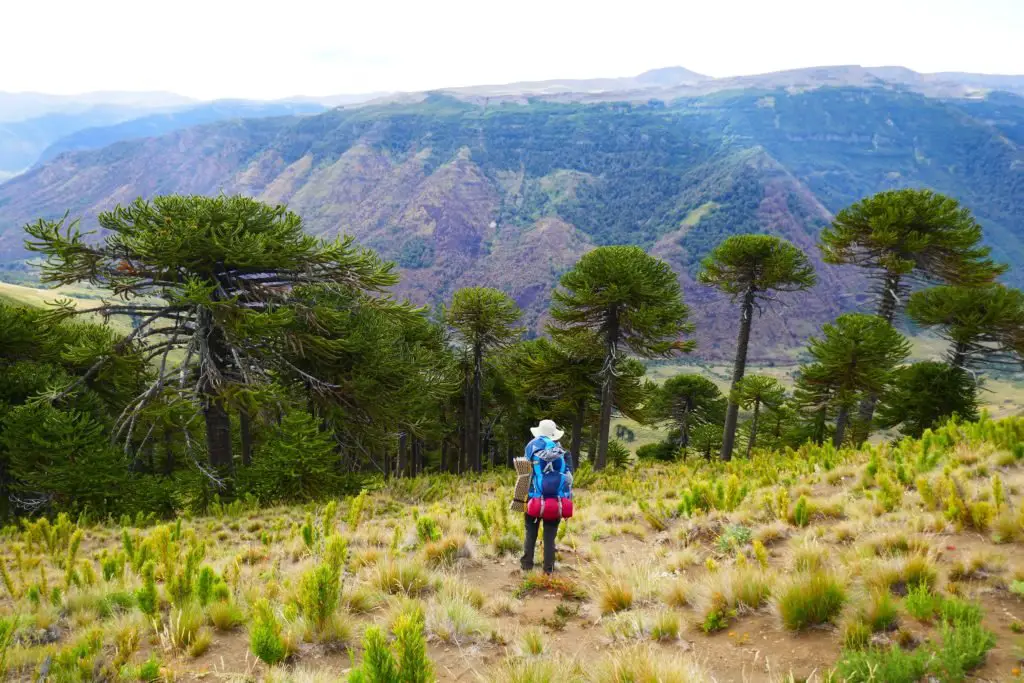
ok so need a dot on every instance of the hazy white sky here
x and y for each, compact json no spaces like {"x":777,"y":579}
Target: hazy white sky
{"x":254,"y":48}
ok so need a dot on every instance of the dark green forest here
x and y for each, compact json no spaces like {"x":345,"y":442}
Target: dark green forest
{"x":250,"y":360}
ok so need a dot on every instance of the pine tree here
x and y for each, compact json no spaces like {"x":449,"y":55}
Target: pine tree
{"x":57,"y":454}
{"x":689,"y":401}
{"x":209,"y":279}
{"x":903,"y":239}
{"x":980,"y":324}
{"x":751,"y":269}
{"x":814,"y":396}
{"x":753,"y":392}
{"x":854,"y":356}
{"x":298,"y":462}
{"x":564,"y":373}
{"x":484,"y":319}
{"x":382,"y":369}
{"x":632,"y":301}
{"x":925,"y":395}
{"x":707,"y":438}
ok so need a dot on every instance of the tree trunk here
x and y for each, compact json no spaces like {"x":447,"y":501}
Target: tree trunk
{"x":958,"y":355}
{"x":842,"y":419}
{"x":245,"y":431}
{"x":475,"y":426}
{"x":684,"y":427}
{"x":467,"y":420}
{"x":168,"y":453}
{"x":738,"y":369}
{"x":577,"y":432}
{"x":402,"y":455}
{"x":5,"y":493}
{"x":819,"y":425}
{"x":510,"y":455}
{"x":444,"y":455}
{"x":887,"y":312}
{"x":218,"y":434}
{"x":607,"y":388}
{"x":218,"y":422}
{"x":753,"y":429}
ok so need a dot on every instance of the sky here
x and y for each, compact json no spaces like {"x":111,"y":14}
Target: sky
{"x":257,"y":49}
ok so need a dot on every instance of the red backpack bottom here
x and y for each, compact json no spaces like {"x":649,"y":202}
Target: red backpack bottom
{"x":550,"y":509}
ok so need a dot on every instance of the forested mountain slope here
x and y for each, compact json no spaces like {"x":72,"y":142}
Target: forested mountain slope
{"x":510,"y":195}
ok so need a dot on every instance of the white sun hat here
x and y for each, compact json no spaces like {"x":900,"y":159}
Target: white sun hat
{"x":549,"y":429}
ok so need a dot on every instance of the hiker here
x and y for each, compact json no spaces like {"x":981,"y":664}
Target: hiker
{"x":550,"y":497}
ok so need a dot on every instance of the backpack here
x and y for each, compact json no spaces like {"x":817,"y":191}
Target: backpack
{"x":550,"y":494}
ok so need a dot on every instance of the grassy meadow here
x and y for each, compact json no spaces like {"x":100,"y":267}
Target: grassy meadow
{"x":899,"y":562}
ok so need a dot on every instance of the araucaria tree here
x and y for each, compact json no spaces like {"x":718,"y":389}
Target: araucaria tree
{"x":903,"y":239}
{"x":981,"y":324}
{"x":688,"y":401}
{"x":633,"y":302}
{"x":754,"y":392}
{"x":854,"y":356}
{"x":565,"y":373}
{"x":751,"y":269}
{"x":925,"y":395}
{"x":208,"y":281}
{"x":484,"y":319}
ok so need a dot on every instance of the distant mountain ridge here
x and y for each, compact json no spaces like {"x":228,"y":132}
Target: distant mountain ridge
{"x":159,"y":124}
{"x":36,"y":127}
{"x":460,"y":189}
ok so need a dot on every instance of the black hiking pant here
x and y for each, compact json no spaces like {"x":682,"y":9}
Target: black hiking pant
{"x":530,"y":545}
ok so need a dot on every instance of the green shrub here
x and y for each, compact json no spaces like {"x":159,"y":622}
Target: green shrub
{"x":964,"y":647}
{"x":959,"y":612}
{"x":801,"y":512}
{"x":663,"y":451}
{"x":298,"y":461}
{"x":379,"y":665}
{"x":921,"y":603}
{"x":319,"y":594}
{"x":875,"y":666}
{"x":336,"y":553}
{"x":204,"y":585}
{"x":411,"y":647}
{"x":146,"y":596}
{"x":149,"y":670}
{"x":116,"y":602}
{"x":427,"y":529}
{"x":8,"y":625}
{"x":735,"y":536}
{"x":618,"y":455}
{"x":811,"y":600}
{"x":265,"y":635}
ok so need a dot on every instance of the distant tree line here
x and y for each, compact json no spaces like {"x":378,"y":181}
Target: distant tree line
{"x":256,"y":360}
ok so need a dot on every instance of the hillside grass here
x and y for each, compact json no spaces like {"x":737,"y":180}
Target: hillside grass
{"x":814,"y":564}
{"x":80,"y":296}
